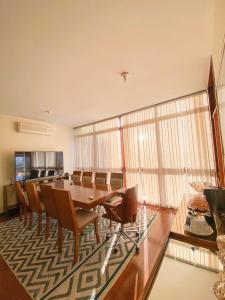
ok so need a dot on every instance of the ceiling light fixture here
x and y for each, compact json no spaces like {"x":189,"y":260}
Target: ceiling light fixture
{"x":124,"y":75}
{"x":48,"y":112}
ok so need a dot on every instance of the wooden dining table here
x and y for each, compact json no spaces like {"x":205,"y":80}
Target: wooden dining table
{"x":86,"y":195}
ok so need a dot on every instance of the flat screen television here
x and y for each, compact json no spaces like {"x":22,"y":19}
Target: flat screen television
{"x":35,"y":164}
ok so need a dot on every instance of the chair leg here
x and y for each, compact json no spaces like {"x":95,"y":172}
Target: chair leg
{"x":31,"y":220}
{"x":21,"y":212}
{"x":25,"y":216}
{"x":39,"y":224}
{"x":110,"y":223}
{"x":129,"y":238}
{"x":96,"y":230}
{"x":47,"y":227}
{"x":76,"y":246}
{"x":60,"y":238}
{"x":117,"y":239}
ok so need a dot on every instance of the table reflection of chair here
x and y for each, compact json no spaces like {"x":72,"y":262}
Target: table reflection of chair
{"x":102,"y":187}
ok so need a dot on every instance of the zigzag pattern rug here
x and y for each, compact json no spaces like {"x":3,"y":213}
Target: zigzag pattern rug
{"x":45,"y":274}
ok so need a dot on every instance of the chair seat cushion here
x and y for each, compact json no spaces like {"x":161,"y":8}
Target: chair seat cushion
{"x":114,"y":200}
{"x":85,"y":217}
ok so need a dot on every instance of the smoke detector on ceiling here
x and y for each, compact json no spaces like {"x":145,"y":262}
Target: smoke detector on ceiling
{"x":124,"y":75}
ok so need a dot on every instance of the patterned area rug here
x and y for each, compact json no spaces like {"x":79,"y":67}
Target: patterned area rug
{"x":45,"y":274}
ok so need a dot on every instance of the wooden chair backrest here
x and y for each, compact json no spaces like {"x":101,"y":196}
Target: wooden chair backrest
{"x":129,"y":206}
{"x":76,"y":177}
{"x":51,"y":173}
{"x":77,"y":173}
{"x":100,"y":178}
{"x":33,"y":198}
{"x":50,"y":205}
{"x":116,"y":180}
{"x":20,"y":194}
{"x":65,"y":209}
{"x":87,"y":177}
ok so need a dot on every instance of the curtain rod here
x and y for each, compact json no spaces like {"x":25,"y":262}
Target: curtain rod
{"x":143,"y":108}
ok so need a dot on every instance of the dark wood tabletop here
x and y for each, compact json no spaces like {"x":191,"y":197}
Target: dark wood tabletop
{"x":86,"y":195}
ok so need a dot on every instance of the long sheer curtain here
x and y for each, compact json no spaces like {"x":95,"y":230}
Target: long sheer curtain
{"x":167,"y":147}
{"x":163,"y":148}
{"x":98,"y":147}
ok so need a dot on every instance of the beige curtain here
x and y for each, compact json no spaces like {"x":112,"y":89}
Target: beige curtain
{"x":84,"y":145}
{"x":98,"y":147}
{"x":167,"y":147}
{"x":141,"y":153}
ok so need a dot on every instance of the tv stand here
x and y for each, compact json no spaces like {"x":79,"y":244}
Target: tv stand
{"x":10,"y":203}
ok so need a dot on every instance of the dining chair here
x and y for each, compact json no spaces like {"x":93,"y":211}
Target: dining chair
{"x":100,"y":178}
{"x":43,"y":173}
{"x":50,"y":206}
{"x":34,"y":173}
{"x":87,"y":177}
{"x":23,"y":202}
{"x":71,"y":219}
{"x":123,"y":213}
{"x":116,"y":180}
{"x":76,"y":176}
{"x":36,"y":205}
{"x":66,"y":175}
{"x":51,"y":173}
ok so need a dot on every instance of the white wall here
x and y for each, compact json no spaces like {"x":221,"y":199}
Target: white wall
{"x":11,"y":141}
{"x":218,"y":35}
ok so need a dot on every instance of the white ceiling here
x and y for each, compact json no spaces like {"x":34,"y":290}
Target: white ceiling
{"x":66,"y":56}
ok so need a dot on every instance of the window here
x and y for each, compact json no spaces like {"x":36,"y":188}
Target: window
{"x":164,"y":148}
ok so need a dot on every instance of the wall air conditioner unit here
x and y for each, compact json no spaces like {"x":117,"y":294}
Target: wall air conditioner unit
{"x":34,"y":128}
